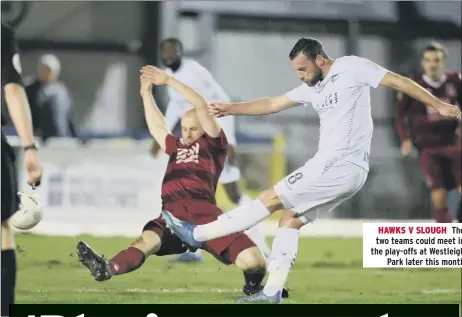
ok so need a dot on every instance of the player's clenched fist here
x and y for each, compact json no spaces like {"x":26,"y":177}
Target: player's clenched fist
{"x":156,"y":75}
{"x":219,"y":109}
{"x":451,"y":111}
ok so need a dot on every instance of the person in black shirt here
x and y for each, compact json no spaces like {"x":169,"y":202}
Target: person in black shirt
{"x":19,"y":110}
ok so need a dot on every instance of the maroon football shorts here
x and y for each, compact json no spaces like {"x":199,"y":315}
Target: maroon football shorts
{"x":225,"y":249}
{"x":442,"y":166}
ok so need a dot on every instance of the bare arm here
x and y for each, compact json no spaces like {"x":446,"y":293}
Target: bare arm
{"x":18,"y":105}
{"x":411,"y":88}
{"x":208,"y":122}
{"x":154,"y":118}
{"x":255,"y":107}
{"x":19,"y":109}
{"x":401,"y":120}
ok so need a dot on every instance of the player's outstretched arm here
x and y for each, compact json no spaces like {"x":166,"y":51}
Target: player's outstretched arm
{"x":208,"y":122}
{"x":411,"y":88}
{"x":154,"y":118}
{"x":255,"y":107}
{"x":19,"y":110}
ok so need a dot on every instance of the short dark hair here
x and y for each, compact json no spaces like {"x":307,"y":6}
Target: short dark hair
{"x":435,"y":47}
{"x":309,"y":47}
{"x":172,"y":40}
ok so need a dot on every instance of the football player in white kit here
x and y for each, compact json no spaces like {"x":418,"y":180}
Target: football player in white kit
{"x":196,"y":76}
{"x":339,"y":90}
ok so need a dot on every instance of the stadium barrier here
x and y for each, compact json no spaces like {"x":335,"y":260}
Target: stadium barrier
{"x":111,"y":187}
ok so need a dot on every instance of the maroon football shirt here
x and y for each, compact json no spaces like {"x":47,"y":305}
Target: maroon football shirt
{"x":423,"y":123}
{"x":193,"y":170}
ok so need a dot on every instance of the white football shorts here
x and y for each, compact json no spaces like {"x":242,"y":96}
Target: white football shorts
{"x":312,"y":188}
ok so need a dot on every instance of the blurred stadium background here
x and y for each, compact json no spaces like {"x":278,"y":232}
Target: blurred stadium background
{"x":101,"y":47}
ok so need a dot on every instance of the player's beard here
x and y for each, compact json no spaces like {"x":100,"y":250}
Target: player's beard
{"x":316,"y":79}
{"x":172,"y":64}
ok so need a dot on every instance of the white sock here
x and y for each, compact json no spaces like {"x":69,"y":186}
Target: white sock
{"x":236,"y":220}
{"x":257,"y":236}
{"x":283,"y":254}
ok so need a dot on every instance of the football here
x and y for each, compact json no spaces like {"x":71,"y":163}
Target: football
{"x":30,"y":212}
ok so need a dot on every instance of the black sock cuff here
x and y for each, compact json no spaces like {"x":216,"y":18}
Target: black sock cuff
{"x":254,"y":276}
{"x":8,"y":255}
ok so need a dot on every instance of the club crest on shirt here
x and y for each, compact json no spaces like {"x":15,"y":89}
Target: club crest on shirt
{"x":188,"y":155}
{"x":329,"y":102}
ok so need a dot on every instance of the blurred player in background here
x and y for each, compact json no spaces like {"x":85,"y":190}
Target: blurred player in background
{"x":188,"y":189}
{"x":437,"y":138}
{"x":50,"y":101}
{"x":339,"y":90}
{"x":196,"y":76}
{"x":18,"y":108}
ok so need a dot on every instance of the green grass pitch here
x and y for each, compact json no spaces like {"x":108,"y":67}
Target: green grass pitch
{"x":327,"y":270}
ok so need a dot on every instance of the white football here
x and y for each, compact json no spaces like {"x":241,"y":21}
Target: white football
{"x":30,"y":212}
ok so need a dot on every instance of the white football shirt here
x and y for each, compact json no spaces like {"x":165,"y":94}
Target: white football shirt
{"x":198,"y":77}
{"x":343,"y":103}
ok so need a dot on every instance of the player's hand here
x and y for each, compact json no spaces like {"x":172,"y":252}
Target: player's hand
{"x":219,"y":109}
{"x":145,"y":84}
{"x":448,"y":110}
{"x":157,"y":76}
{"x":406,"y":147}
{"x":33,"y":168}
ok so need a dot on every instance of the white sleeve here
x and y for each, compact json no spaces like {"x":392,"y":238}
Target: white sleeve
{"x":299,"y":94}
{"x":228,"y":125}
{"x":367,"y":72}
{"x":172,"y":115}
{"x":212,"y":90}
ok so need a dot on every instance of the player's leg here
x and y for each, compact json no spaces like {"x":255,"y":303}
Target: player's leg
{"x":123,"y":262}
{"x":9,"y":205}
{"x":283,"y":252}
{"x":243,"y":252}
{"x":155,"y":239}
{"x":237,"y":220}
{"x":239,"y":249}
{"x":8,"y":267}
{"x":230,"y":178}
{"x":439,"y":197}
{"x":432,"y":167}
{"x":305,"y":199}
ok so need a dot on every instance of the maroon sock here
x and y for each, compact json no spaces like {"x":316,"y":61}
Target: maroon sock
{"x":127,"y":261}
{"x":442,"y":215}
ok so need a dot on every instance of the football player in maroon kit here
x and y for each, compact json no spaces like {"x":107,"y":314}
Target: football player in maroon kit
{"x":437,"y":138}
{"x":188,"y":191}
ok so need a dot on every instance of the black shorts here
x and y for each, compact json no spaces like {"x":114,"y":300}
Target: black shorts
{"x":10,"y":200}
